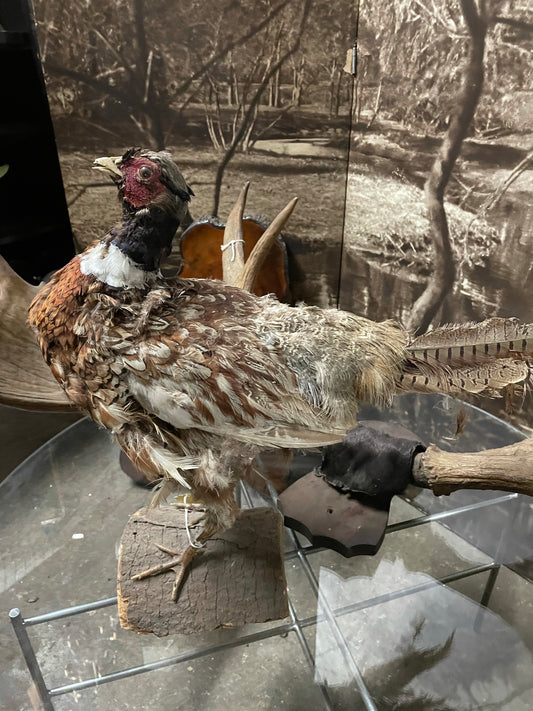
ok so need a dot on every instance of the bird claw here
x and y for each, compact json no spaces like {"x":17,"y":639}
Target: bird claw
{"x":170,"y":551}
{"x":181,"y":559}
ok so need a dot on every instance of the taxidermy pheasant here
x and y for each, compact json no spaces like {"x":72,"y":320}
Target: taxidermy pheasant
{"x":194,"y":377}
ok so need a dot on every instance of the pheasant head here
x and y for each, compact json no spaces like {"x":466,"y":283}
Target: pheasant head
{"x":147,"y":178}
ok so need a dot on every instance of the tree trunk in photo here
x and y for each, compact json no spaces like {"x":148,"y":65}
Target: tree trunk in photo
{"x":332,"y":88}
{"x":297,"y":82}
{"x":338,"y":91}
{"x":236,"y":89}
{"x":377,"y":105}
{"x":154,"y":127}
{"x":92,"y":53}
{"x":276,"y":80}
{"x":358,"y":98}
{"x":232,"y":99}
{"x":247,"y":138}
{"x":213,"y":117}
{"x":148,"y":96}
{"x":271,"y":92}
{"x":427,"y":305}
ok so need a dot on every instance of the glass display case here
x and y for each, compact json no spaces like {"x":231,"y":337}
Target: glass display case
{"x":415,"y":623}
{"x":441,"y":617}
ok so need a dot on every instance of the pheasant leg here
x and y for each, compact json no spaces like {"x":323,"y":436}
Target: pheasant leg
{"x":180,"y":560}
{"x":220,"y":511}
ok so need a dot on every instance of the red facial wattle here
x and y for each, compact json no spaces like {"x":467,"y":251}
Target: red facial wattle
{"x":141,"y":182}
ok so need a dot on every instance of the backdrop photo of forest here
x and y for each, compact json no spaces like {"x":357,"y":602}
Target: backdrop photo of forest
{"x":421,"y":65}
{"x":261,"y":91}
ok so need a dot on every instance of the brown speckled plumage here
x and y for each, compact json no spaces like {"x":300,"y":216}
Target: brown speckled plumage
{"x":205,"y":356}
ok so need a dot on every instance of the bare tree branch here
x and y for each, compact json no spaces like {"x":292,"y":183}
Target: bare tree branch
{"x":502,"y":188}
{"x":253,"y":103}
{"x":228,"y":47}
{"x":94,"y":83}
{"x":517,"y":24}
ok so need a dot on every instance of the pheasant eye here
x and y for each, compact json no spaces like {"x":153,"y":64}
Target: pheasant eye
{"x":145,"y":172}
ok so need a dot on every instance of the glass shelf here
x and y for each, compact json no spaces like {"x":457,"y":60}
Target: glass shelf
{"x":417,"y":620}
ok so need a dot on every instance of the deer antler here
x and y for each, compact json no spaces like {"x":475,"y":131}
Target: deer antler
{"x":505,"y":469}
{"x":232,"y":246}
{"x":262,"y":248}
{"x":235,"y":271}
{"x":25,"y":379}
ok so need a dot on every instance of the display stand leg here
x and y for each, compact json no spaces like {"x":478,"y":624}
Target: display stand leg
{"x":31,"y":660}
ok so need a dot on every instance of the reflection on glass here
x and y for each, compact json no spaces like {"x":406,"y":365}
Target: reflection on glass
{"x":423,"y":646}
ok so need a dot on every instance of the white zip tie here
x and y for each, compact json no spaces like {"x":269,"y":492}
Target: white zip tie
{"x":193,"y":544}
{"x":233,"y":248}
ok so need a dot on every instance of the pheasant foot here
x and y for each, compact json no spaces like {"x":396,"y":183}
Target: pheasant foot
{"x":180,"y":560}
{"x":216,"y":516}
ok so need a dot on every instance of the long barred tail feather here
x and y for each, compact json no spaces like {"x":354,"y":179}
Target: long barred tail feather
{"x":486,"y":358}
{"x":498,"y":337}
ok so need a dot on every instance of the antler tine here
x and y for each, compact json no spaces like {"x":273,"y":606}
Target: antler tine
{"x":263,"y":247}
{"x":232,"y":247}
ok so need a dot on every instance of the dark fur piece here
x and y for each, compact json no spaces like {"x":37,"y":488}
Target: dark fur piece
{"x":370,"y":462}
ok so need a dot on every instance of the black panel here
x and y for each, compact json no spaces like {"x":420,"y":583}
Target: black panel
{"x":35,"y":233}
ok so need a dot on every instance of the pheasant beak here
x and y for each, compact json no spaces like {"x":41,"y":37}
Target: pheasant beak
{"x":109,"y":165}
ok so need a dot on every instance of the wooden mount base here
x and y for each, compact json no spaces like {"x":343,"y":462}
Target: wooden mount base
{"x":237,"y":579}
